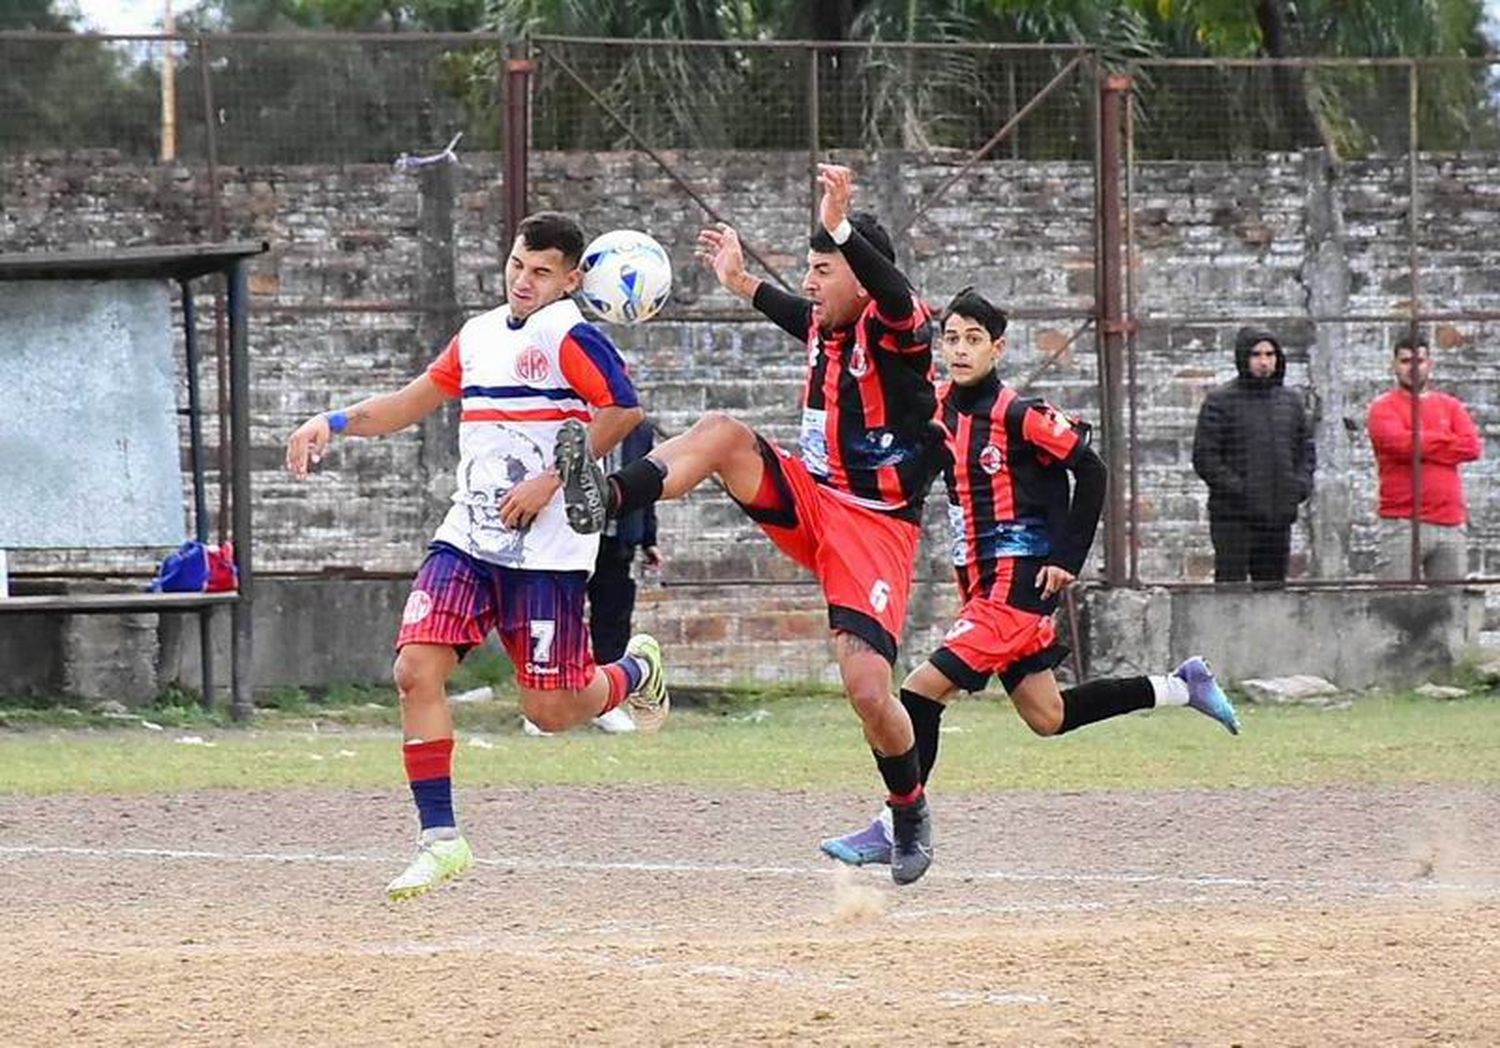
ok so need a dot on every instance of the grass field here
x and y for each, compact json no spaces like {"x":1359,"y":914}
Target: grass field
{"x":810,"y":743}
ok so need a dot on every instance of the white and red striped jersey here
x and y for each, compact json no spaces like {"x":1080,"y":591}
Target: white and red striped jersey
{"x":519,"y":382}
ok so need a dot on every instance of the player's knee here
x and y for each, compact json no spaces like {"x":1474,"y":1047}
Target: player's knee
{"x":544,"y":713}
{"x":869,"y":701}
{"x":1043,"y":722}
{"x":723,"y":430}
{"x":415,"y":677}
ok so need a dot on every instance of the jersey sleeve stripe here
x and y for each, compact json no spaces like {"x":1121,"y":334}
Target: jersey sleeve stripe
{"x":594,"y":368}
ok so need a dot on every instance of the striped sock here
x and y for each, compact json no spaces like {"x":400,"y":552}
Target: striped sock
{"x":429,"y":769}
{"x":623,"y":677}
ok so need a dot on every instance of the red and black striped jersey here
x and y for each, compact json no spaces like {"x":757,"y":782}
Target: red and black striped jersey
{"x":867,"y":408}
{"x":1008,"y":491}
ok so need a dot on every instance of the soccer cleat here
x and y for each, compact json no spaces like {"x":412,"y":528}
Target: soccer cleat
{"x":911,"y":840}
{"x":583,"y":483}
{"x":616,"y":722}
{"x":1205,"y":695}
{"x":436,"y":862}
{"x":868,"y":847}
{"x":649,"y":704}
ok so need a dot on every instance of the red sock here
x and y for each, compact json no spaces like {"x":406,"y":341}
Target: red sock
{"x":432,"y":759}
{"x":902,"y":800}
{"x":619,"y":686}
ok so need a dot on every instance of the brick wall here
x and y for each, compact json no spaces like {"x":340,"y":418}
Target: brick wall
{"x":1217,"y":240}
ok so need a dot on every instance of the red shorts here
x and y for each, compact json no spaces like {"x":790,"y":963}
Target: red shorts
{"x":991,"y":638}
{"x":457,"y":599}
{"x":864,"y":559}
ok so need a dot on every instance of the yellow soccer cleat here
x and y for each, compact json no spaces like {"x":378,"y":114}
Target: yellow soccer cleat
{"x":435,"y":862}
{"x":649,"y":704}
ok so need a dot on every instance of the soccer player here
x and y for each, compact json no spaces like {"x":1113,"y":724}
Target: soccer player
{"x":847,"y":506}
{"x":504,"y":558}
{"x":1019,"y":540}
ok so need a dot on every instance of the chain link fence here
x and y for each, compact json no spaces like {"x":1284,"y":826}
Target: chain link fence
{"x":250,"y":99}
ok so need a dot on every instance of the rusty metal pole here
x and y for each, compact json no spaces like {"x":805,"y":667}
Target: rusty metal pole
{"x":1114,"y":90}
{"x":1416,"y":310}
{"x":1133,"y":393}
{"x":517,"y":89}
{"x":814,"y":134}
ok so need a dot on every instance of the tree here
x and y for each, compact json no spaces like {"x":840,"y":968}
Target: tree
{"x":51,"y":92}
{"x":1348,"y":109}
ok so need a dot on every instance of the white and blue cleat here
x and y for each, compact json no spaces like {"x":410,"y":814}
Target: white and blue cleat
{"x":1205,"y":695}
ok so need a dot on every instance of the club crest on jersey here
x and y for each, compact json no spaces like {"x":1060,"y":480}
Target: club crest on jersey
{"x":531,"y":365}
{"x":859,"y":361}
{"x":991,"y":459}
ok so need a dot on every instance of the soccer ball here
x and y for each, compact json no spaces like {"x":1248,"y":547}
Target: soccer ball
{"x":626,"y":276}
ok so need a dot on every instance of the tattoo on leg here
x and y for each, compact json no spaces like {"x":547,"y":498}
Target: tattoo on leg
{"x":850,"y":644}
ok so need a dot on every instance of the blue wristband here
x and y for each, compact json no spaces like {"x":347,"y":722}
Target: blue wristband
{"x":338,"y":421}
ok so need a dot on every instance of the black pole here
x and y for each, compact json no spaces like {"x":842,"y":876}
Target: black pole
{"x":200,"y":510}
{"x":242,"y":704}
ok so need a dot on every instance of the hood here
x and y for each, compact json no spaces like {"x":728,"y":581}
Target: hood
{"x":1244,"y":342}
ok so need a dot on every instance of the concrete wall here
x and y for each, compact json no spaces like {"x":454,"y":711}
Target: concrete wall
{"x":356,"y":249}
{"x":1354,"y":638}
{"x":327,"y":632}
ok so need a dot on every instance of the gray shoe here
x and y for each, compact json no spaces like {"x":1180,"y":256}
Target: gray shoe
{"x":583,"y":483}
{"x":911,"y":840}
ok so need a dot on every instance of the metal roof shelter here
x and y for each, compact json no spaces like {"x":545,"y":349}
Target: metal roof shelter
{"x":182,"y":264}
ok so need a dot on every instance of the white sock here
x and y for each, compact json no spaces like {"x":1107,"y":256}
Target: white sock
{"x":1170,"y":690}
{"x":440,"y":833}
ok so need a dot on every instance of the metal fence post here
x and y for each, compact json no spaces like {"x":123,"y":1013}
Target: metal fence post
{"x":814,"y":134}
{"x":242,"y":701}
{"x":517,"y":136}
{"x":1416,"y":311}
{"x":1111,"y":329}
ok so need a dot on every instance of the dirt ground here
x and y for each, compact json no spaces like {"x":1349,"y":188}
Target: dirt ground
{"x":1356,"y":916}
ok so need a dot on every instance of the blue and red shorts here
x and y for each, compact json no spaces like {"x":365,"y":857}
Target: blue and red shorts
{"x":990,"y":637}
{"x":457,"y":599}
{"x":864,"y":559}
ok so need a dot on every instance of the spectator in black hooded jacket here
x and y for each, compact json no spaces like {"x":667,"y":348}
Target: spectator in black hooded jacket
{"x":1254,"y":449}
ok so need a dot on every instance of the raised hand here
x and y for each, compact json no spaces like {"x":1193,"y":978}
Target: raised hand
{"x":719,"y":249}
{"x":838,"y":188}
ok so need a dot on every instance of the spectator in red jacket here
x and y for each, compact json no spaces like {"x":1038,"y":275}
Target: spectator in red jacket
{"x":1448,"y":438}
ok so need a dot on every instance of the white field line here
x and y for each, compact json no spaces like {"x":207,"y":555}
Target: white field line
{"x":736,"y":869}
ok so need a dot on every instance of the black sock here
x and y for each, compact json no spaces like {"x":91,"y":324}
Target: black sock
{"x":635,"y":487}
{"x":926,"y":717}
{"x":902,"y":775}
{"x":1097,"y":700}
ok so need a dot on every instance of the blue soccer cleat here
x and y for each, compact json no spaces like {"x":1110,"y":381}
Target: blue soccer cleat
{"x":1205,"y":695}
{"x":867,"y":847}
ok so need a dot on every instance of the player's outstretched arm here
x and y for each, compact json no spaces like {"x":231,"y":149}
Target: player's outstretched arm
{"x":372,"y":417}
{"x":719,"y":249}
{"x":886,"y":284}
